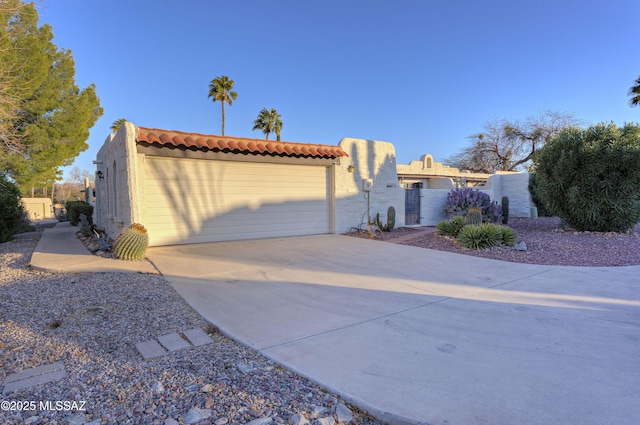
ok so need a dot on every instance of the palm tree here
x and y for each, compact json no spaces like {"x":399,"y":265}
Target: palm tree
{"x":220,"y":90}
{"x":268,"y":121}
{"x":117,"y":123}
{"x":634,"y":92}
{"x":278,"y":127}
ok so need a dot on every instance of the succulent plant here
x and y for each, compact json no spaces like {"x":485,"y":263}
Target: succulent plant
{"x":132,"y":243}
{"x":450,"y":227}
{"x":391,"y":220}
{"x":460,"y":200}
{"x":481,"y":236}
{"x":508,"y":236}
{"x":474,"y":216}
{"x":505,"y":209}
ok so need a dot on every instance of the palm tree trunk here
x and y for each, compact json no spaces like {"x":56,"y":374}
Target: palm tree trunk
{"x":223,"y":118}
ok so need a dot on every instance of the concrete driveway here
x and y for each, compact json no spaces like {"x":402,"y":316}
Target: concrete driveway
{"x":420,"y":336}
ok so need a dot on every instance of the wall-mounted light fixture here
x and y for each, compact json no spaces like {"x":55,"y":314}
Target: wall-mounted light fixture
{"x":351,"y":168}
{"x":100,"y":175}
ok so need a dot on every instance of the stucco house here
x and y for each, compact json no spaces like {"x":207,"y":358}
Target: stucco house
{"x":428,"y":184}
{"x":190,"y":188}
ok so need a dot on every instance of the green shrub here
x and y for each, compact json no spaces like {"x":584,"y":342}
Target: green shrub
{"x":590,"y":177}
{"x":508,"y":236}
{"x":12,"y":214}
{"x":75,"y":208}
{"x":486,"y":235}
{"x":534,"y":190}
{"x":450,"y":227}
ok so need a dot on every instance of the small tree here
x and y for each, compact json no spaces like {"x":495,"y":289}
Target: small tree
{"x":591,"y":178}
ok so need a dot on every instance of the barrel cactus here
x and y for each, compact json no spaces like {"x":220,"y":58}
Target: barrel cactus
{"x":474,"y":216}
{"x":132,"y":243}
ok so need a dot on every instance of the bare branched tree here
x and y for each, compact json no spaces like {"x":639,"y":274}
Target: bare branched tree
{"x":510,"y":146}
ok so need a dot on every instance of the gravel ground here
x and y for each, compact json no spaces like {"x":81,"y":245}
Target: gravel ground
{"x":92,"y":321}
{"x":547,"y":243}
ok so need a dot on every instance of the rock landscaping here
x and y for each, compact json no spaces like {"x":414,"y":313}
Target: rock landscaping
{"x":91,"y":323}
{"x":540,"y":241}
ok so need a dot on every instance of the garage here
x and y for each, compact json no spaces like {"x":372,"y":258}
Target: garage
{"x":199,"y":200}
{"x":192,"y":188}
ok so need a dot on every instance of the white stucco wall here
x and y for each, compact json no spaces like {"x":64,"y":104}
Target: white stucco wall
{"x":440,"y":183}
{"x":117,"y":193}
{"x":432,"y":203}
{"x":516,"y":187}
{"x":38,"y":208}
{"x":375,"y":162}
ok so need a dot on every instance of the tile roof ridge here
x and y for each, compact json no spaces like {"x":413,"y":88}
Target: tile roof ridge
{"x":191,"y":140}
{"x":217,"y":136}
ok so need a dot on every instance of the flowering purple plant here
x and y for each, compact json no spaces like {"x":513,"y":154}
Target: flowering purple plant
{"x":460,"y":200}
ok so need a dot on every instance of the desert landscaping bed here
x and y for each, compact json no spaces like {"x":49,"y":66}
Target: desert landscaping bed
{"x":548,"y":242}
{"x":92,"y":321}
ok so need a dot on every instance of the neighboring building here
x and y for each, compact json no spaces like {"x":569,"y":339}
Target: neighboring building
{"x":428,"y":183}
{"x":429,"y":174}
{"x":38,"y":208}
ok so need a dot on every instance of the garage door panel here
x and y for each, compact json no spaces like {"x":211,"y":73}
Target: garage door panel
{"x":294,"y":214}
{"x":190,"y":201}
{"x":161,"y":197}
{"x":160,"y":205}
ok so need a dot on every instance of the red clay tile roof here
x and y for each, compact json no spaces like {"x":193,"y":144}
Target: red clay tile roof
{"x":194,"y":141}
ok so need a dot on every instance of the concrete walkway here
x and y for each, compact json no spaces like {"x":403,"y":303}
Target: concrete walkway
{"x":419,"y":336}
{"x":60,"y":250}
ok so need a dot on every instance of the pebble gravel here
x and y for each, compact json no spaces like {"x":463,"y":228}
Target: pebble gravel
{"x":92,"y":321}
{"x":548,"y":242}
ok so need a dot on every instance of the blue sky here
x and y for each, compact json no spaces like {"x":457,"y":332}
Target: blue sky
{"x":423,"y":75}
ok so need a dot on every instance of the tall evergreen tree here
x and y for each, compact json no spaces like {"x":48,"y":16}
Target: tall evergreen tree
{"x":52,"y":116}
{"x":220,"y":90}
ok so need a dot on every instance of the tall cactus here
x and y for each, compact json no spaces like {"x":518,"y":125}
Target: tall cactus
{"x":474,"y":216}
{"x":132,"y":243}
{"x":391,"y":218}
{"x":505,"y":209}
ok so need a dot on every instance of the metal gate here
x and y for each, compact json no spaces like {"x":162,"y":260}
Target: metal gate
{"x":412,"y":205}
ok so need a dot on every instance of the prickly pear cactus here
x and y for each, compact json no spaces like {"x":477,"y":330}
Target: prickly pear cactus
{"x":132,"y":243}
{"x":474,"y":216}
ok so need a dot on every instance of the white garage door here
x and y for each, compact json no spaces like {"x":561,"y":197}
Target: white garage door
{"x":192,"y":201}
